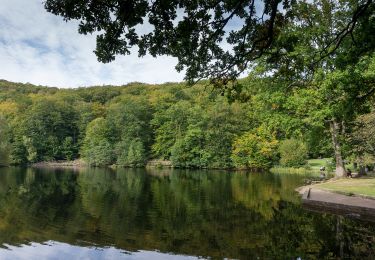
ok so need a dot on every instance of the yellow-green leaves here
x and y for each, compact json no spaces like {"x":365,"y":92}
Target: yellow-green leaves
{"x":255,"y":150}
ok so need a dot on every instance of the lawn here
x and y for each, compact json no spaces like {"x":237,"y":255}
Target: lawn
{"x":361,"y":186}
{"x":315,"y":164}
{"x":312,"y":167}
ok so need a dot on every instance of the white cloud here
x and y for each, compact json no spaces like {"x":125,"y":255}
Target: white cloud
{"x":40,"y":48}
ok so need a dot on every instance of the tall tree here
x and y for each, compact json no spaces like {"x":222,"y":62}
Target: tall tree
{"x":4,"y":142}
{"x":327,"y":84}
{"x":131,"y":117}
{"x":211,"y":39}
{"x":97,"y":148}
{"x":362,"y":138}
{"x":45,"y":126}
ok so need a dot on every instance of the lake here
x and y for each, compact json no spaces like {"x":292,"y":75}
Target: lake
{"x":168,"y":214}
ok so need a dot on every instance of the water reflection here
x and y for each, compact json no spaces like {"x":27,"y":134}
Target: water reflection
{"x":56,"y":250}
{"x":198,"y":213}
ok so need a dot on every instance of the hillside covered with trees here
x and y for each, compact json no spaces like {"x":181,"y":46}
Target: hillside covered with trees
{"x":312,"y":72}
{"x":193,"y":127}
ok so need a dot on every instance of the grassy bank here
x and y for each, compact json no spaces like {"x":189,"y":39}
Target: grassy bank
{"x":312,"y":167}
{"x":361,"y":186}
{"x":289,"y":170}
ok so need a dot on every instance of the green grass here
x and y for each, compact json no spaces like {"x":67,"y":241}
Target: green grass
{"x":317,"y":163}
{"x":289,"y":170}
{"x":312,"y":167}
{"x":361,"y":186}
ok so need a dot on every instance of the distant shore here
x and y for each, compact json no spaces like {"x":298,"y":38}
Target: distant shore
{"x":160,"y":163}
{"x":79,"y":163}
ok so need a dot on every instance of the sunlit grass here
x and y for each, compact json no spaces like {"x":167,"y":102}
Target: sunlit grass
{"x":289,"y":170}
{"x":361,"y":186}
{"x":317,"y":163}
{"x":312,"y":167}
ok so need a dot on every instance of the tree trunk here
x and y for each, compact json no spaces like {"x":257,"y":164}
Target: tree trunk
{"x":340,"y":166}
{"x":362,"y":171}
{"x":340,"y":236}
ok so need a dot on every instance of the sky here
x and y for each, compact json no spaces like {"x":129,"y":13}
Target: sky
{"x":40,"y":48}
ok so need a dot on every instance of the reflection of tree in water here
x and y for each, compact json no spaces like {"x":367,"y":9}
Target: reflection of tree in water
{"x":257,"y":192}
{"x":115,"y":202}
{"x":34,"y":200}
{"x":204,"y":213}
{"x":263,"y":192}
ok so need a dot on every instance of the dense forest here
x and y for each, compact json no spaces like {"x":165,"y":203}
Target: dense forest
{"x":193,"y":127}
{"x":310,"y":91}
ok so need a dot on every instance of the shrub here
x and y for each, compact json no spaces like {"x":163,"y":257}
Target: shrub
{"x":4,"y":154}
{"x":131,"y":153}
{"x":97,"y":150}
{"x":4,"y":143}
{"x":293,"y":153}
{"x":189,"y":151}
{"x":98,"y":153}
{"x":255,"y":150}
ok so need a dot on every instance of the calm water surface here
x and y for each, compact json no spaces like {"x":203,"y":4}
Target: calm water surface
{"x":168,"y":214}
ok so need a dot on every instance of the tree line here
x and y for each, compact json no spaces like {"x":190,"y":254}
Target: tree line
{"x":311,"y":62}
{"x":193,"y":127}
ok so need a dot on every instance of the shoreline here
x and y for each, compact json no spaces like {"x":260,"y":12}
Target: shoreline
{"x":166,"y":164}
{"x":61,"y":164}
{"x":339,"y":203}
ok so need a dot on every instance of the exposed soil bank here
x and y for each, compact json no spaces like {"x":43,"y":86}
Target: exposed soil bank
{"x":79,"y":163}
{"x":159,"y":163}
{"x":57,"y":164}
